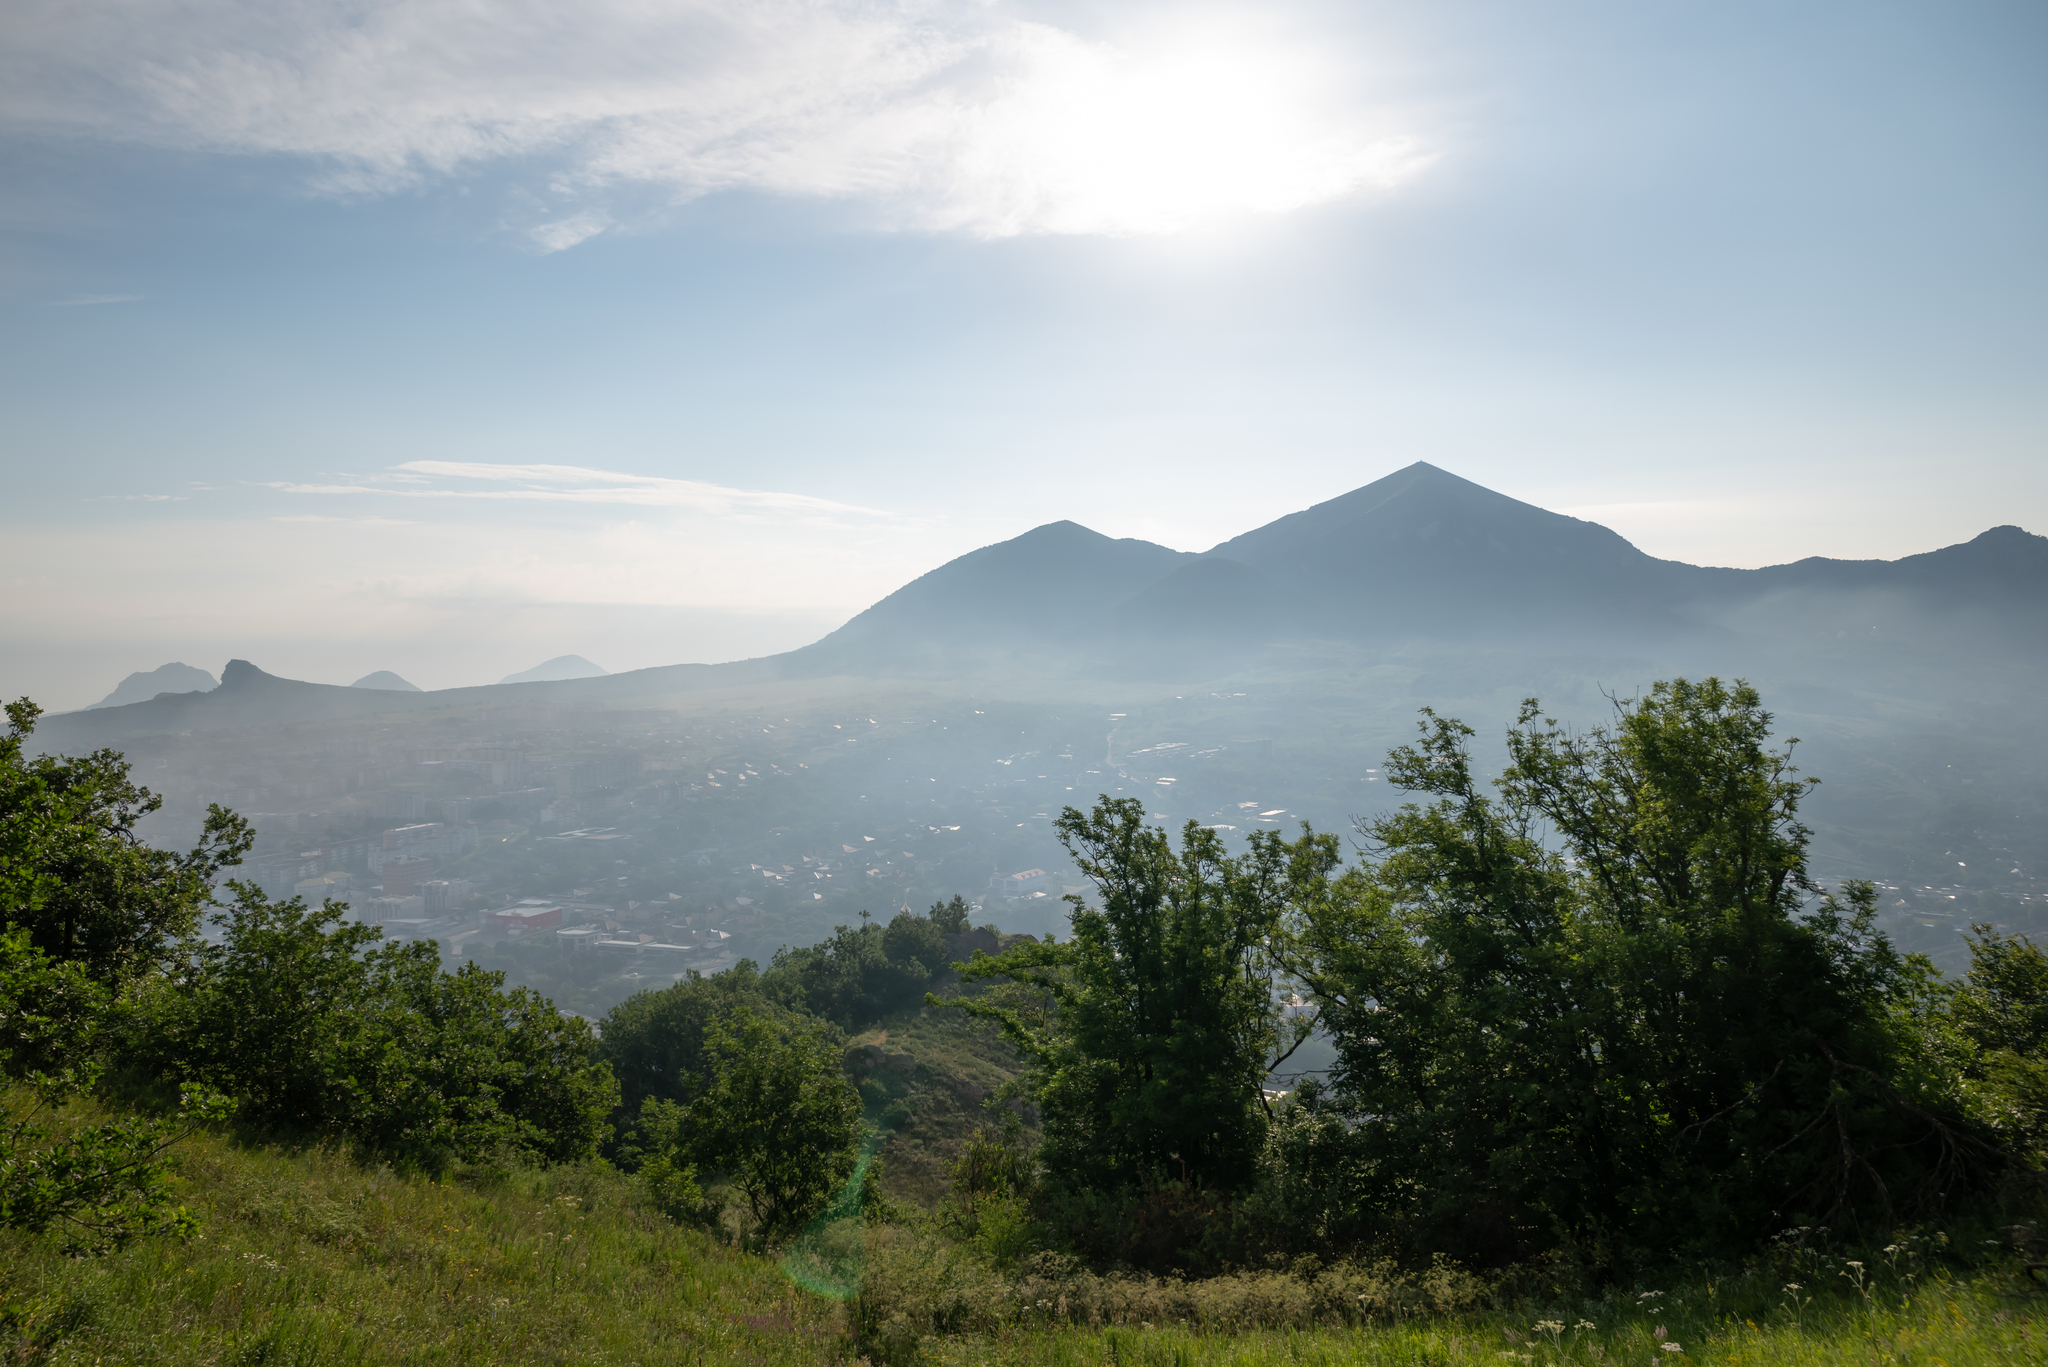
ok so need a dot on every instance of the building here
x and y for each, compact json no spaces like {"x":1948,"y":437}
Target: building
{"x":446,"y":895}
{"x":376,"y":911}
{"x":403,"y":877}
{"x":523,"y":918}
{"x":1017,"y":884}
{"x":576,"y":939}
{"x":424,"y":839}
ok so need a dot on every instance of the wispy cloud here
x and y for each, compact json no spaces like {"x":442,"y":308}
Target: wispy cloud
{"x":138,"y":498}
{"x":565,"y":233}
{"x":945,"y":115}
{"x":445,"y":479}
{"x":89,"y":300}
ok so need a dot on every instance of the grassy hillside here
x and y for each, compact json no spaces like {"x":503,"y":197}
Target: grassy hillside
{"x":306,"y":1257}
{"x":309,"y":1258}
{"x":929,"y":1111}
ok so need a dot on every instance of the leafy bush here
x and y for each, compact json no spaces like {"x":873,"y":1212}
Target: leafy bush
{"x":654,"y":1041}
{"x":861,"y":975}
{"x":100,"y":1183}
{"x":75,"y":875}
{"x":312,"y":1025}
{"x":778,"y":1117}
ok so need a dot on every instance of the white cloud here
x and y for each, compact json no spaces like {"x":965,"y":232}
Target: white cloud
{"x":941,"y":114}
{"x":578,"y":484}
{"x":565,"y":233}
{"x":89,"y":300}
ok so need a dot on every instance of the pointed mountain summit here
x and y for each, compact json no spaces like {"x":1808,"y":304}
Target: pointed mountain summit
{"x":387,"y":681}
{"x":1055,"y":581}
{"x":1422,"y":548}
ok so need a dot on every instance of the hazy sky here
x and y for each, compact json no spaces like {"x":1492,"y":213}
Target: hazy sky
{"x":445,"y":336}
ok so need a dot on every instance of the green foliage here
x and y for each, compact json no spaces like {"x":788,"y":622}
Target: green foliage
{"x":667,"y":1177}
{"x":778,"y":1116}
{"x":655,"y":1040}
{"x":314,"y":1026}
{"x":1644,"y":1031}
{"x":101,"y":1183}
{"x":861,"y":975}
{"x":74,"y":873}
{"x":1154,"y":1027}
{"x":951,"y":918}
{"x":2001,"y":1010}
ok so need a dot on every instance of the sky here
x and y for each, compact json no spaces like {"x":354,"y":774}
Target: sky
{"x":448,"y":336}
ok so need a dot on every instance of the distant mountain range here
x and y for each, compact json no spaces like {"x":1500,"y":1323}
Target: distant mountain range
{"x":1416,"y":562}
{"x":170,"y":678}
{"x":1424,"y":556}
{"x":559,"y":668}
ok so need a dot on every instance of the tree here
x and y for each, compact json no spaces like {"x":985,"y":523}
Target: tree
{"x":100,"y":1183}
{"x":1608,"y":1005}
{"x":655,"y":1040}
{"x":950,"y":918}
{"x":1153,"y":1028}
{"x":75,"y":874}
{"x":861,"y":975}
{"x":2001,"y":1010}
{"x":314,"y":1024}
{"x":779,"y":1117}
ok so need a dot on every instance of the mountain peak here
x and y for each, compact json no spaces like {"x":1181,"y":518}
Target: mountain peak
{"x":555,"y":670}
{"x":387,"y":681}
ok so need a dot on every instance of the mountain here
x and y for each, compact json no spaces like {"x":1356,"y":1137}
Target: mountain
{"x":561,"y":667}
{"x":1418,"y":566}
{"x":1425,"y":553}
{"x":170,"y":678}
{"x":1053,"y":582}
{"x":387,"y":681}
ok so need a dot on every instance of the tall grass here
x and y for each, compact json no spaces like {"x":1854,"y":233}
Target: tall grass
{"x":309,"y":1258}
{"x":924,"y":1301}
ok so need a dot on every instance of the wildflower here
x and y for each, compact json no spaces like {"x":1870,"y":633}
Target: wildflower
{"x":1658,"y":1333}
{"x":1671,"y":1348}
{"x":1584,"y":1325}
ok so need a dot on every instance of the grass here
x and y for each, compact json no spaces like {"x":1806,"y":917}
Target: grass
{"x":309,"y":1258}
{"x":929,"y":1115}
{"x":1994,"y":1318}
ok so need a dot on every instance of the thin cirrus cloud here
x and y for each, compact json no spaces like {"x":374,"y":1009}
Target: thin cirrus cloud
{"x":940,"y":115}
{"x":439,"y":479}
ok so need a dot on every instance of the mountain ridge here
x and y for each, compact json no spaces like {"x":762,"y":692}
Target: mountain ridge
{"x":1420,"y":557}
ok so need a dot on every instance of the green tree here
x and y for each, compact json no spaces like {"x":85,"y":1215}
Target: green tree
{"x":313,"y":1024}
{"x":2001,"y":1010}
{"x":655,"y":1040}
{"x":1608,"y":1004}
{"x":779,"y":1117}
{"x":950,"y":918}
{"x":75,"y":874}
{"x":101,"y":1183}
{"x":1152,"y":1030}
{"x":861,"y":975}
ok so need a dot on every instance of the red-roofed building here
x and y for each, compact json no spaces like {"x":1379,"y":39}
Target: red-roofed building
{"x":523,"y":918}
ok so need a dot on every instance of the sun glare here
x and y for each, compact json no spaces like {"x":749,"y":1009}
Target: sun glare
{"x":1090,"y":138}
